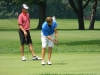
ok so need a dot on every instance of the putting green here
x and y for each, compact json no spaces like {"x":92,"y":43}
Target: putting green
{"x":73,"y":63}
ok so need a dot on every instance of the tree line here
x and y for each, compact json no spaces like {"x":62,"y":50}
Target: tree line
{"x":70,"y":9}
{"x":59,"y":9}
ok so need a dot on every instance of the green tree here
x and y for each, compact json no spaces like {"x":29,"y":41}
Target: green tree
{"x":8,"y":10}
{"x":78,"y":8}
{"x":42,"y":9}
{"x":98,"y":11}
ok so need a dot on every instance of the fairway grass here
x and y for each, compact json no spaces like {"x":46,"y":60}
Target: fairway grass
{"x":63,"y":24}
{"x":73,"y":64}
{"x":69,"y":41}
{"x":80,"y":50}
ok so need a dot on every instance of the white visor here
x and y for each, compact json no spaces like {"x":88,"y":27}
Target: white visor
{"x":25,"y":6}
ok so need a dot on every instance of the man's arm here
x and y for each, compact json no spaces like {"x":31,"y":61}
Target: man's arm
{"x":55,"y":42}
{"x":20,"y":18}
{"x":20,"y":27}
{"x":50,"y":38}
{"x":56,"y":34}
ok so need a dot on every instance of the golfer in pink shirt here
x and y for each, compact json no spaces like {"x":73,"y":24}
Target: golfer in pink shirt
{"x":24,"y":32}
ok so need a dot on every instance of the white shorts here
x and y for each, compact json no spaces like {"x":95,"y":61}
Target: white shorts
{"x":46,"y":41}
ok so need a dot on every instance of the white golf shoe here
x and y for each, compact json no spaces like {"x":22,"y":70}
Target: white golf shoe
{"x":23,"y":58}
{"x":49,"y":63}
{"x":42,"y":63}
{"x":36,"y":58}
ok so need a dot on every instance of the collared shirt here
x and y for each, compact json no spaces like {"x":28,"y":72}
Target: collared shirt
{"x":24,"y":20}
{"x":46,"y":30}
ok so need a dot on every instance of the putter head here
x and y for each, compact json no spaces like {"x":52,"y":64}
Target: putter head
{"x":57,"y":45}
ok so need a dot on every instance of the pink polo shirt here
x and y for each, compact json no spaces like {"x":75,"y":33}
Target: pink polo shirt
{"x":24,"y":20}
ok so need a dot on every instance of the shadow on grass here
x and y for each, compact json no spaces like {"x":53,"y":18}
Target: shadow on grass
{"x":64,"y":74}
{"x":62,"y":63}
{"x":35,"y":29}
{"x":88,"y":42}
{"x":74,"y":29}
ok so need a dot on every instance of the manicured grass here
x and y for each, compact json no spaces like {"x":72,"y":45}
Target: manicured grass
{"x":65,"y":24}
{"x":69,"y":41}
{"x":73,"y":64}
{"x":80,"y":50}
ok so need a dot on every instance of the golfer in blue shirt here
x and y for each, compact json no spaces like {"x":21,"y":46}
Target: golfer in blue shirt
{"x":49,"y":36}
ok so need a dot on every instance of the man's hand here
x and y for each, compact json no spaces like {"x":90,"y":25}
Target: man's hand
{"x":55,"y":42}
{"x":25,"y":33}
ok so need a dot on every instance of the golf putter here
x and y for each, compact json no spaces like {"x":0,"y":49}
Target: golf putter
{"x":26,"y":40}
{"x":26,"y":44}
{"x":59,"y":53}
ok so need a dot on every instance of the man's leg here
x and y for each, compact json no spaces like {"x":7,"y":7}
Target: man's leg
{"x":44,"y":43}
{"x":31,"y":50}
{"x":50,"y":45}
{"x":43,"y":53}
{"x":29,"y":42}
{"x":33,"y":53}
{"x":49,"y":53}
{"x":22,"y":50}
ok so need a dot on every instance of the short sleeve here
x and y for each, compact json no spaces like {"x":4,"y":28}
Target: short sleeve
{"x":20,"y":20}
{"x":55,"y":24}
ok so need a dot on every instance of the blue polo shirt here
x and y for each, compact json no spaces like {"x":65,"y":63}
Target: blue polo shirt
{"x":46,"y":30}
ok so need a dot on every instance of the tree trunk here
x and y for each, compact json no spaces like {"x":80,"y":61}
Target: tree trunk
{"x":80,"y":20}
{"x":91,"y":27}
{"x":79,"y":12}
{"x":42,"y":14}
{"x":80,"y":15}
